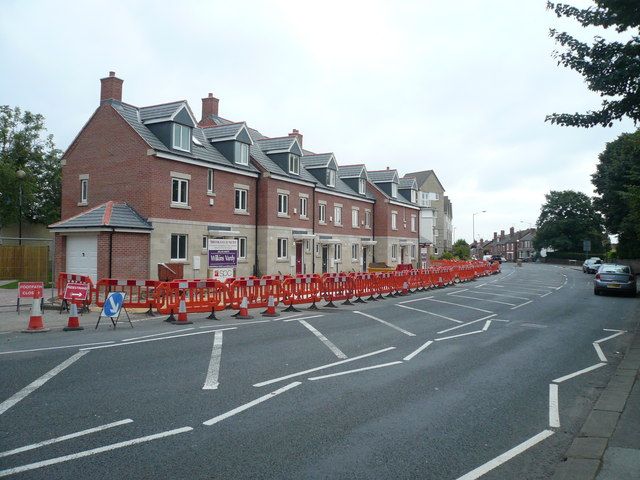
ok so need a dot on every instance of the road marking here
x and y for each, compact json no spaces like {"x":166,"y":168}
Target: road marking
{"x":457,"y":336}
{"x":55,"y":348}
{"x":157,"y":334}
{"x":146,"y":340}
{"x":64,"y":437}
{"x":620,"y":332}
{"x":548,"y":293}
{"x":531,"y":325}
{"x":599,"y":352}
{"x":303,"y":318}
{"x":93,"y":451}
{"x":579,"y":372}
{"x":468,"y":323}
{"x":373,"y":367}
{"x":522,"y":304}
{"x":415,"y":300}
{"x":486,"y":326}
{"x":430,"y":313}
{"x":554,"y":412}
{"x":211,"y":381}
{"x":484,"y":300}
{"x":337,"y":352}
{"x":315,"y":369}
{"x":33,"y":386}
{"x":506,"y":456}
{"x":462,"y":306}
{"x":417,"y":351}
{"x":234,"y":324}
{"x":458,"y":291}
{"x":252,"y":403}
{"x":385,"y":323}
{"x":502,"y":295}
{"x":524,"y":292}
{"x":613,"y":330}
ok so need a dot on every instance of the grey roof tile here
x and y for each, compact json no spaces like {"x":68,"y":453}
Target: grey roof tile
{"x":160,"y":111}
{"x":350,"y":171}
{"x":382,"y":176}
{"x":316,"y":160}
{"x":122,"y":216}
{"x":408,"y":182}
{"x":223,"y":131}
{"x":275,"y":144}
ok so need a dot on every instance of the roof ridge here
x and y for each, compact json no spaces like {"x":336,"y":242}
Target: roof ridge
{"x":79,"y":214}
{"x":162,"y":104}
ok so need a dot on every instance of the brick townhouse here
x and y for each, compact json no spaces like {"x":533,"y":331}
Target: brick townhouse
{"x":148,"y":186}
{"x":505,"y":245}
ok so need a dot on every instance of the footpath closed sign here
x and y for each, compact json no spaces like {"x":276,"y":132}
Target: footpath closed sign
{"x":76,"y":291}
{"x":223,"y":252}
{"x":29,"y":289}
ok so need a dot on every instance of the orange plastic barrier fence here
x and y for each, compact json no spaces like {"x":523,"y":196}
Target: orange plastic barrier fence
{"x":64,"y":278}
{"x":139,"y":293}
{"x":337,"y":287}
{"x":301,"y":289}
{"x":364,"y":285}
{"x":200,"y":296}
{"x":256,"y":291}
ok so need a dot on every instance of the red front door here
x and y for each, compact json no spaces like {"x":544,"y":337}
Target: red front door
{"x":298,"y":258}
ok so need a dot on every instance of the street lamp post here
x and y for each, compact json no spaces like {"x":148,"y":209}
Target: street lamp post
{"x":20,"y":174}
{"x":473,"y":223}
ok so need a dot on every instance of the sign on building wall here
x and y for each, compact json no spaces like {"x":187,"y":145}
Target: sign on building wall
{"x":222,"y":252}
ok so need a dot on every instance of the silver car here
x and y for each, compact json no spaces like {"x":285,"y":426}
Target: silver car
{"x":615,"y":278}
{"x":591,"y":265}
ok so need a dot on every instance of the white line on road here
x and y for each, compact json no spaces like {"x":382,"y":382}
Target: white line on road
{"x":457,"y":336}
{"x":157,"y":334}
{"x":430,"y":313}
{"x":620,"y":332}
{"x":346,"y":372}
{"x":235,"y":324}
{"x":458,"y":291}
{"x":385,"y":323}
{"x":65,"y":437}
{"x":506,"y":456}
{"x":484,"y":300}
{"x":33,"y":386}
{"x":303,"y":318}
{"x":247,"y":406}
{"x":613,"y":330}
{"x":522,"y":304}
{"x":417,"y":351}
{"x":337,"y":352}
{"x":56,"y":348}
{"x":462,"y":306}
{"x":486,"y":326}
{"x":579,"y":372}
{"x":304,"y":372}
{"x":211,"y":381}
{"x":554,"y":412}
{"x":93,"y":451}
{"x":599,"y":352}
{"x":531,"y":325}
{"x":468,"y":323}
{"x":548,"y":293}
{"x":482,"y":292}
{"x":415,"y":300}
{"x":157,"y":339}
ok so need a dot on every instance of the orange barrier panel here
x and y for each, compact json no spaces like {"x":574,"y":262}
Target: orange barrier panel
{"x":301,"y":289}
{"x":256,"y":291}
{"x":64,"y":278}
{"x":364,"y":285}
{"x":139,"y":293}
{"x":199,"y":295}
{"x":385,"y":284}
{"x":337,"y":287}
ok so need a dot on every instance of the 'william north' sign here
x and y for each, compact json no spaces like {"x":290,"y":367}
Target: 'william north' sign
{"x":223,"y":252}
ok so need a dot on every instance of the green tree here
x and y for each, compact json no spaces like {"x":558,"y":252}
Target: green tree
{"x":566,"y":219}
{"x":462,"y":250}
{"x":617,"y":181}
{"x":24,"y":146}
{"x":610,"y":68}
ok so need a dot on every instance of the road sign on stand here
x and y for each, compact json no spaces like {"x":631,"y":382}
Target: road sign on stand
{"x":112,"y":307}
{"x":28,"y":290}
{"x":77,"y":293}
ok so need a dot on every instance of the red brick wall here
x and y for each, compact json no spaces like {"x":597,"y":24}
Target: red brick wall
{"x":347,"y":204}
{"x":382,"y":217}
{"x":60,"y":259}
{"x":130,"y":255}
{"x":268,"y":204}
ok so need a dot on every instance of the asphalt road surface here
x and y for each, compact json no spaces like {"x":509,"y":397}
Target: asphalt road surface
{"x":491,"y":378}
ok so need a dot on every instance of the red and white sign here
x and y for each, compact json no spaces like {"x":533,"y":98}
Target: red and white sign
{"x":29,"y":289}
{"x":76,"y":291}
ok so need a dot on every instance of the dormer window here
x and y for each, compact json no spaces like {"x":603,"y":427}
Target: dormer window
{"x":331,"y":178}
{"x":243,"y":159}
{"x":181,"y":137}
{"x":362,"y":186}
{"x":414,"y":196}
{"x":294,"y":164}
{"x":394,"y":190}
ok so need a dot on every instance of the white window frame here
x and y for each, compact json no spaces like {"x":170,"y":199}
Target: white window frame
{"x":283,"y":204}
{"x":242,"y":195}
{"x":304,"y":207}
{"x":294,"y":164}
{"x":362,"y":186}
{"x":394,"y":251}
{"x":394,"y":190}
{"x":84,"y":190}
{"x":337,"y":252}
{"x":322,"y":213}
{"x":183,"y":187}
{"x":182,"y":134}
{"x":367,"y":219}
{"x":307,"y":246}
{"x":414,"y":196}
{"x":355,"y":218}
{"x":242,"y":248}
{"x":331,"y":178}
{"x":283,"y":248}
{"x":337,"y":215}
{"x":394,"y":220}
{"x":413,"y":223}
{"x":179,"y":237}
{"x":210,"y":180}
{"x":354,"y":252}
{"x":205,"y":242}
{"x":243,"y":159}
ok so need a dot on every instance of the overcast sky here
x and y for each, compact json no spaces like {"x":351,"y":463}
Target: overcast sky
{"x":458,"y":87}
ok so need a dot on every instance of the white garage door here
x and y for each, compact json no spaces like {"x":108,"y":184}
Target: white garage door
{"x":82,"y":255}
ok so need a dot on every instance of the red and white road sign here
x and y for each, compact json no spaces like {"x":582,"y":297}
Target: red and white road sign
{"x":28,"y":289}
{"x":76,"y":291}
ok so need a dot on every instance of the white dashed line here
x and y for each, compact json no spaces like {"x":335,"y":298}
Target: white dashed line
{"x":461,"y":306}
{"x":522,"y":305}
{"x":579,"y":372}
{"x":213,"y":372}
{"x":430,"y":313}
{"x":303,"y":318}
{"x":157,"y":339}
{"x":485,"y":300}
{"x":415,"y":300}
{"x":417,"y":351}
{"x":599,"y":351}
{"x":402,"y":330}
{"x":468,"y":323}
{"x":336,"y":351}
{"x":554,"y":412}
{"x":347,"y":372}
{"x":56,"y":348}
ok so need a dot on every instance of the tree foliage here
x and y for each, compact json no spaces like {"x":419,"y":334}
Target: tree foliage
{"x":566,"y":219}
{"x":24,"y":146}
{"x":610,"y":68}
{"x":617,"y":181}
{"x":461,"y":249}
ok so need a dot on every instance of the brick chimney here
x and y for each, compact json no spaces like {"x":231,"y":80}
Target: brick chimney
{"x":501,"y":234}
{"x":511,"y":232}
{"x":110,"y":88}
{"x":495,"y":236}
{"x":297,"y":134}
{"x":209,"y":107}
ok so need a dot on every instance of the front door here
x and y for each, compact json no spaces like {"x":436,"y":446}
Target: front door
{"x":298,"y":258}
{"x":402,"y":255}
{"x":364,"y":259}
{"x":325,"y":258}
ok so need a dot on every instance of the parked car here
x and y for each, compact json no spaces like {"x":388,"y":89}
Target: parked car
{"x":497,"y":258}
{"x":615,"y":278}
{"x":591,"y":265}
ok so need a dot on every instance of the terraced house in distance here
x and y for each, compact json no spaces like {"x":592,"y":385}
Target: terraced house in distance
{"x":145,"y":188}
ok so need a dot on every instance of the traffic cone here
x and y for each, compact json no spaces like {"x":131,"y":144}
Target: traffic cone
{"x":243,"y":314}
{"x":182,"y":313}
{"x":405,"y":288}
{"x":271,"y":308}
{"x":74,"y":321}
{"x":35,"y":319}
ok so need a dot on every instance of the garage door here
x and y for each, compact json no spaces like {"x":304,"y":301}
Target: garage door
{"x":82,"y":255}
